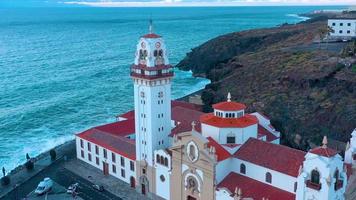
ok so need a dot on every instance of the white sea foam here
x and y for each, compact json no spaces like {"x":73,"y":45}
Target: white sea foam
{"x":302,"y":18}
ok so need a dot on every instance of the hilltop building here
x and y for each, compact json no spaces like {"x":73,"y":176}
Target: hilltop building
{"x":342,"y":28}
{"x":172,"y":150}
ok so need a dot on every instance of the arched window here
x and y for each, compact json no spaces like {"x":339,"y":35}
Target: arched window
{"x":166,"y":162}
{"x":315,"y":177}
{"x":162,"y":160}
{"x":243,"y":169}
{"x":268,"y":177}
{"x":158,"y":160}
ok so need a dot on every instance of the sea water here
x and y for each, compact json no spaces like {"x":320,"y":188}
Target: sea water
{"x":66,"y":69}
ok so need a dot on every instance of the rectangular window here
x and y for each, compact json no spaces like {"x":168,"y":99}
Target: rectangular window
{"x":113,"y":157}
{"x":132,"y":166}
{"x":96,"y":150}
{"x":81,"y":143}
{"x":89,"y":157}
{"x":105,"y":153}
{"x":143,"y":171}
{"x":348,"y":24}
{"x":97,"y":160}
{"x":230,"y":140}
{"x":341,"y":24}
{"x":340,"y":31}
{"x":89,"y":147}
{"x":122,"y":161}
{"x":82,"y":153}
{"x":123,"y":173}
{"x":114,"y":169}
{"x":333,"y":24}
{"x":348,"y":32}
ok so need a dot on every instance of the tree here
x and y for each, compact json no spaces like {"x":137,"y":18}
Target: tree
{"x":53,"y":154}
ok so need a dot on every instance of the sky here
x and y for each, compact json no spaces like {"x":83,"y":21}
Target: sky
{"x":207,"y":2}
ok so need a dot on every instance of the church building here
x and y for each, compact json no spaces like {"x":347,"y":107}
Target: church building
{"x":168,"y":149}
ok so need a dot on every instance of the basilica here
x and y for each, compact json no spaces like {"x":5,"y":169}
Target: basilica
{"x":168,"y":149}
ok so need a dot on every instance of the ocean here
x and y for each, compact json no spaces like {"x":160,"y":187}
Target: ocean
{"x":66,"y":69}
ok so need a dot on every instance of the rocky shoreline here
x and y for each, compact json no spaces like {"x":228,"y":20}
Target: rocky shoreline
{"x":304,"y":85}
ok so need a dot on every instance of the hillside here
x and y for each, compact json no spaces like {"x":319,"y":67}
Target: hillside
{"x":304,"y":87}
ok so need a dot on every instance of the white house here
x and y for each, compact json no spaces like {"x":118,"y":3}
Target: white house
{"x":342,"y":28}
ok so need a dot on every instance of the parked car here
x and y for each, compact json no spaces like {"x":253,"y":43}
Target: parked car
{"x":98,"y":187}
{"x":44,"y":186}
{"x":72,"y":188}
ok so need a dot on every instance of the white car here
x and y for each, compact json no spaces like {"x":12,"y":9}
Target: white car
{"x":44,"y":186}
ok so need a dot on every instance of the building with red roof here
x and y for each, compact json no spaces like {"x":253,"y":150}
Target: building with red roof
{"x":172,"y":150}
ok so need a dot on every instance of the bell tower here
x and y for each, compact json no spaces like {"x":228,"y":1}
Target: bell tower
{"x":152,"y":75}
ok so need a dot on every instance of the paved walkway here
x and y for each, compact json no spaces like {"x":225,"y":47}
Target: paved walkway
{"x":21,"y":175}
{"x":110,"y":183}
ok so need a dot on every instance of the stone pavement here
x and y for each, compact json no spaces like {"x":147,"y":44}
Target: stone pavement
{"x":110,"y":183}
{"x":21,"y":175}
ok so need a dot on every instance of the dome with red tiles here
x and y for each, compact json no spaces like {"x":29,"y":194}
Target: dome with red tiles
{"x":229,"y":105}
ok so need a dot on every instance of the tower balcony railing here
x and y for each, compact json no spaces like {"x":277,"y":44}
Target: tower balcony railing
{"x":155,"y":68}
{"x":150,"y":77}
{"x":315,"y":186}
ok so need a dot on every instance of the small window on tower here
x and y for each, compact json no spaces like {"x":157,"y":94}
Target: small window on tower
{"x":142,"y":94}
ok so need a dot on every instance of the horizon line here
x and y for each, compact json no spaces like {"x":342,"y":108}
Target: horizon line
{"x":193,"y":4}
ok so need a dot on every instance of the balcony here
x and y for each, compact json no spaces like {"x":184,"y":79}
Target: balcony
{"x":338,"y":184}
{"x":151,"y":77}
{"x":314,"y":186}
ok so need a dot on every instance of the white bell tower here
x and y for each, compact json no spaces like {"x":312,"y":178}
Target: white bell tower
{"x":152,"y":76}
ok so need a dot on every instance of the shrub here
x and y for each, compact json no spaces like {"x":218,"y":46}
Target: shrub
{"x":29,"y":165}
{"x":53,"y":154}
{"x":5,"y":180}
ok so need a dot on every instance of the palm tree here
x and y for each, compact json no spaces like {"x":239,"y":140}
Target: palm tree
{"x":328,"y":31}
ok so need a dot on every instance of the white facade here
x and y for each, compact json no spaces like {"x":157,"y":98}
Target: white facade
{"x":120,"y":167}
{"x":343,"y":28}
{"x":326,"y":167}
{"x":152,"y":101}
{"x":220,"y":134}
{"x":350,"y":153}
{"x":163,"y":173}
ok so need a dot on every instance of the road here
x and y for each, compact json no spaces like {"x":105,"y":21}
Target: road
{"x":63,"y":177}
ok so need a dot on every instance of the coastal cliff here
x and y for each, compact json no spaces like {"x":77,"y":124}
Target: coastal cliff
{"x":305,"y":87}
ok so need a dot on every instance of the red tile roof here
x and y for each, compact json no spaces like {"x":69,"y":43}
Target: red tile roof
{"x":151,"y":35}
{"x":221,"y":152}
{"x":272,"y":156}
{"x":182,"y":114}
{"x":264,"y":132}
{"x":113,"y":137}
{"x":174,"y":104}
{"x":251,"y":188}
{"x":186,"y":105}
{"x":326,"y":152}
{"x":229,"y":106}
{"x":241,"y":122}
{"x":128,"y":115}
